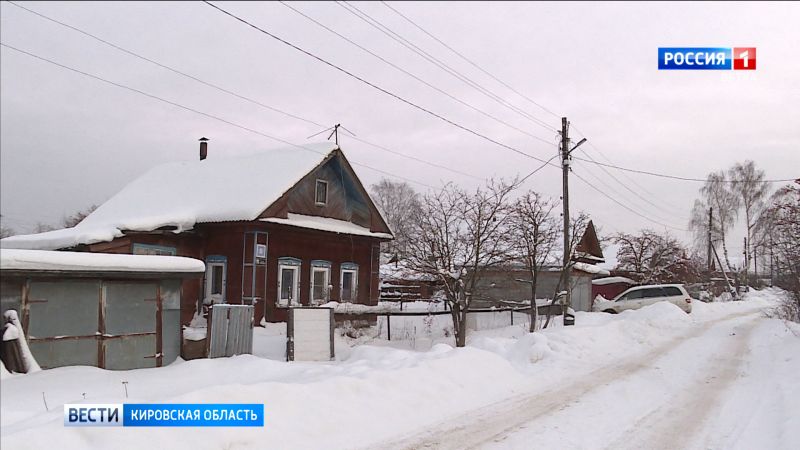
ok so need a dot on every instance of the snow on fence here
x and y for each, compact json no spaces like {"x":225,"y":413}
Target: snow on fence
{"x":406,"y":325}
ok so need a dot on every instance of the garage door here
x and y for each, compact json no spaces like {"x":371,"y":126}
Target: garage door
{"x":130,"y":313}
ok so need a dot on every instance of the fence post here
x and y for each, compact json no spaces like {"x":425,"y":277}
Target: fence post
{"x":389,"y":325}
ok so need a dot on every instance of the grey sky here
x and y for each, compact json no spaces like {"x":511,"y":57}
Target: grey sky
{"x":68,"y":141}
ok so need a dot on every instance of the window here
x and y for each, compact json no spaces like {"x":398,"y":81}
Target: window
{"x":216,"y":277}
{"x":633,"y":295}
{"x":321,"y":193}
{"x":320,"y":281}
{"x":672,"y":291}
{"x":288,"y":281}
{"x":147,"y":249}
{"x":348,"y":283}
{"x":653,"y":293}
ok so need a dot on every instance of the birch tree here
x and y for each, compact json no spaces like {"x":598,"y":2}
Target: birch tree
{"x":750,"y":187}
{"x":716,"y":194}
{"x":457,"y":235}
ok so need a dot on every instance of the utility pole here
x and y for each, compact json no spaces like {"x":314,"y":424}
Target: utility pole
{"x":746,"y":262}
{"x":565,"y":202}
{"x":710,"y":262}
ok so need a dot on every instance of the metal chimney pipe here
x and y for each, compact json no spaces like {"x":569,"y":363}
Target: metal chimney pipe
{"x":203,"y":148}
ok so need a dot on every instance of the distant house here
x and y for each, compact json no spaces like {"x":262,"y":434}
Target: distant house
{"x":285,"y":227}
{"x":512,"y":284}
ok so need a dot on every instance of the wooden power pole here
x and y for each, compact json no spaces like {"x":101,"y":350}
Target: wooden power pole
{"x":710,"y":260}
{"x":565,"y":156}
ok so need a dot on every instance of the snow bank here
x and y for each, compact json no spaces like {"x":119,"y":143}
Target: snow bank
{"x":373,"y":392}
{"x":27,"y":357}
{"x":11,"y":259}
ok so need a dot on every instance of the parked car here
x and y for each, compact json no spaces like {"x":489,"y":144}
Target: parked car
{"x":640,"y":296}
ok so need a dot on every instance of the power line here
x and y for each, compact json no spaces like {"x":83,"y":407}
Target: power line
{"x":470,"y":61}
{"x":674,"y":177}
{"x":227,"y":91}
{"x":437,"y":62}
{"x":657,"y":207}
{"x":619,"y":194}
{"x":374,"y":86}
{"x":211,"y":116}
{"x":395,"y":66}
{"x":625,"y":206}
{"x":625,"y":174}
{"x":164,"y":66}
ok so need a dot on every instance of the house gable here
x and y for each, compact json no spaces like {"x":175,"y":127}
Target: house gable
{"x":347,"y":199}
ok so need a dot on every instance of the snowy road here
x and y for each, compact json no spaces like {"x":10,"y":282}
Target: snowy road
{"x":667,"y":398}
{"x":723,"y":377}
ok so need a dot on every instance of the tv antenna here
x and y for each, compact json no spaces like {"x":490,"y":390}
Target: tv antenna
{"x":334,"y":133}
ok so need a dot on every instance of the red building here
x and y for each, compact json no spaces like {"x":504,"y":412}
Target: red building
{"x":291,"y":226}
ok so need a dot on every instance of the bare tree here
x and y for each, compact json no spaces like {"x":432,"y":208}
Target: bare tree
{"x":71,"y":221}
{"x":752,"y":190}
{"x":534,"y":232}
{"x":782,"y":219}
{"x":649,"y":254}
{"x":6,"y":232}
{"x":716,"y":194}
{"x":457,"y":236}
{"x":399,"y":203}
{"x":42,"y":227}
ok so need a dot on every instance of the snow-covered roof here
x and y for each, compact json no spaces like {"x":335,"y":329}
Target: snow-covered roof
{"x":181,"y":194}
{"x":43,"y":260}
{"x":326,"y":224}
{"x":590,"y":268}
{"x":612,"y":280}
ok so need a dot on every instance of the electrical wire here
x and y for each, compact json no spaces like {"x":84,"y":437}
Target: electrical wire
{"x":437,"y":62}
{"x":229,"y":92}
{"x":374,"y":86}
{"x":205,"y":114}
{"x":400,"y":69}
{"x":477,"y":66}
{"x":625,"y":206}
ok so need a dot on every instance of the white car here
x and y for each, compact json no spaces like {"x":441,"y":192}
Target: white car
{"x":640,"y":296}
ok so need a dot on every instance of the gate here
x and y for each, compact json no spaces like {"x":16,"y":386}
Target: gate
{"x":231,"y":330}
{"x":309,"y":334}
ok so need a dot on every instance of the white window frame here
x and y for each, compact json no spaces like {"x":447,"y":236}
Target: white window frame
{"x":327,"y":271}
{"x":295,"y":267}
{"x":316,"y":186}
{"x":348,"y":268}
{"x":210,"y":278}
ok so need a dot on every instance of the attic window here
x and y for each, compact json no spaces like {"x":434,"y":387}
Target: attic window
{"x":321,"y":193}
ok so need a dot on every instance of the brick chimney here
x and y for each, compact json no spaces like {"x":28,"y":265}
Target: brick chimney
{"x":203,"y":148}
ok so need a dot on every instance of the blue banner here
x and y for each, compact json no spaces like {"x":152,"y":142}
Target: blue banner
{"x":164,"y":415}
{"x":694,"y":58}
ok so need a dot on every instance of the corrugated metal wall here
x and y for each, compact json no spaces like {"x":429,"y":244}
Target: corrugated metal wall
{"x":231,"y":330}
{"x":109,"y":324}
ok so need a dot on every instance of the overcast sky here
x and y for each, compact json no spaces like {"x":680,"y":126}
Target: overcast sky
{"x":68,"y":141}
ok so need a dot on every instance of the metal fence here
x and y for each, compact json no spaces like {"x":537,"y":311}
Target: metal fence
{"x":231,"y":330}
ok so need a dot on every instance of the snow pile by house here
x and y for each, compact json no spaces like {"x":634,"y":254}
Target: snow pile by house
{"x":17,"y":333}
{"x":43,"y":260}
{"x":379,"y":392}
{"x":181,"y":194}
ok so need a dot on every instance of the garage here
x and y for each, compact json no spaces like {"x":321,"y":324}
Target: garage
{"x":109,"y":311}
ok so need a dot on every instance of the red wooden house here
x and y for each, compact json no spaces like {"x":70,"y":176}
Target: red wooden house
{"x":290,"y":226}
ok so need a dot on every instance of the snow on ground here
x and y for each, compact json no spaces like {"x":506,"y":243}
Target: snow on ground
{"x":725,"y":376}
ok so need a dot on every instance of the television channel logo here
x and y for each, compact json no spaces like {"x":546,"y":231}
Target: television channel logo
{"x":706,"y":58}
